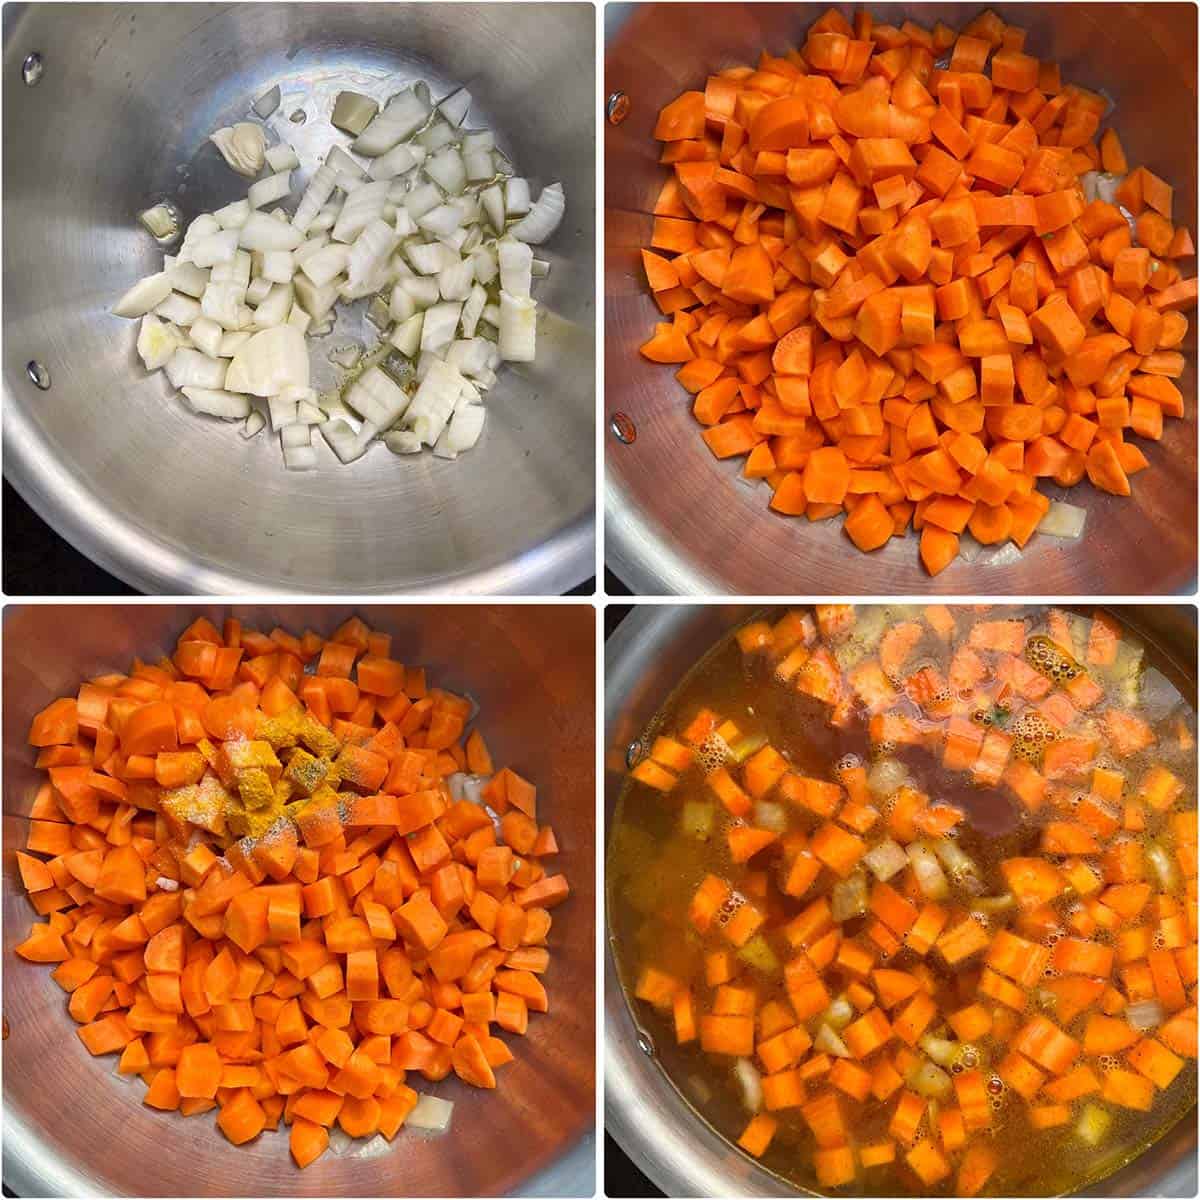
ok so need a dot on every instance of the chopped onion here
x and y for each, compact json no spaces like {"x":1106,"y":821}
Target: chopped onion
{"x":145,"y":295}
{"x":282,"y":158}
{"x":1093,"y":1124}
{"x":269,"y":190}
{"x":930,"y":877}
{"x":465,"y":427}
{"x":769,"y":815}
{"x":885,"y":860}
{"x":216,"y":402}
{"x":262,"y":232}
{"x":543,"y":218}
{"x":1063,"y":520}
{"x":157,"y":342}
{"x":268,"y":102}
{"x":929,"y":1080}
{"x":839,"y":1014}
{"x":243,"y":146}
{"x":828,"y":1042}
{"x":353,"y":112}
{"x":190,"y":368}
{"x":696,"y":818}
{"x":404,"y":115}
{"x":750,"y":1082}
{"x":886,"y":777}
{"x":942,"y":1051}
{"x":848,"y":897}
{"x":269,"y":362}
{"x":376,"y":397}
{"x":159,"y":220}
{"x":1145,"y":1014}
{"x":518,"y":328}
{"x":431,"y":1113}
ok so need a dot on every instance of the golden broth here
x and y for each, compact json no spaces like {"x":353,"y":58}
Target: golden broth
{"x":660,"y":851}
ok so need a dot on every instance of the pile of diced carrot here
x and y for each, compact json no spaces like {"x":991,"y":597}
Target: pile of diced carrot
{"x":888,"y":291}
{"x":1091,"y":925}
{"x":259,"y":891}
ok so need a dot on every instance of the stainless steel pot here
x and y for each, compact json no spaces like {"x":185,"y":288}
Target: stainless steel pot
{"x":172,"y":502}
{"x":645,"y":659}
{"x":677,"y":521}
{"x":72,"y":1127}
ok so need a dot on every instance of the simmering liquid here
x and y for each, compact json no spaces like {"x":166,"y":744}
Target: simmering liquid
{"x":967,"y":742}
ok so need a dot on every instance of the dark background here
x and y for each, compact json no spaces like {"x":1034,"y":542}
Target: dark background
{"x":37,"y":562}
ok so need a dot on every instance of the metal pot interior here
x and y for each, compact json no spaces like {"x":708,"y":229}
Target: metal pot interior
{"x":72,"y":1127}
{"x":177,"y":503}
{"x":678,"y":521}
{"x":645,"y":659}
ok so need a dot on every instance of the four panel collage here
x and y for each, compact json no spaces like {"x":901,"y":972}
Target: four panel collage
{"x":765,"y":765}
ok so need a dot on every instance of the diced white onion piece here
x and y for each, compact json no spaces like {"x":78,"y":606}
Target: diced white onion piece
{"x":298,"y":318}
{"x":157,"y":342}
{"x":369,"y":255}
{"x":435,"y":400}
{"x":1063,"y":520}
{"x":1145,"y":1014}
{"x":362,"y":207}
{"x":479,"y":165}
{"x":343,"y":440}
{"x":456,"y":106}
{"x":1092,"y":1126}
{"x":441,"y":221}
{"x":377,"y":398}
{"x":518,"y":328}
{"x":403,"y":441}
{"x":942,"y":1051}
{"x":931,"y":879}
{"x":886,"y":777}
{"x":516,"y":196}
{"x":316,"y":300}
{"x":848,"y":897}
{"x":403,"y":223}
{"x":839,"y":1014}
{"x":465,"y":427}
{"x":232,"y":341}
{"x":828,"y":1042}
{"x":262,"y":232}
{"x":275,"y":308}
{"x":320,"y":188}
{"x":491,"y":315}
{"x":295,"y":436}
{"x":344,"y":163}
{"x":188,"y":278}
{"x":1163,"y":866}
{"x":190,"y":368}
{"x":422,"y":199}
{"x":327,"y":264}
{"x":216,"y":402}
{"x":447,"y":170}
{"x":258,"y":290}
{"x":955,"y":859}
{"x":438,"y":328}
{"x":353,"y":112}
{"x":201,"y":227}
{"x":159,"y":221}
{"x":309,"y":247}
{"x":541,"y":268}
{"x":885,"y":860}
{"x":347,"y":182}
{"x":454,"y":281}
{"x":767,"y":813}
{"x":431,"y":1113}
{"x":233,"y":216}
{"x":473,"y":307}
{"x":269,"y":362}
{"x":255,"y":423}
{"x":269,"y":190}
{"x":180,"y":310}
{"x":424,"y":292}
{"x":278,"y":266}
{"x":282,"y":158}
{"x":406,"y":336}
{"x":207,"y":335}
{"x":516,"y":268}
{"x":404,"y":114}
{"x":236,"y":270}
{"x":399,"y":160}
{"x":283,"y":410}
{"x":487,"y":264}
{"x":243,"y":146}
{"x":750,"y":1082}
{"x":543,"y":218}
{"x":930,"y":1081}
{"x":428,"y":258}
{"x":492,"y":199}
{"x":437,"y":134}
{"x":402,"y":306}
{"x":145,"y":295}
{"x":441,"y":448}
{"x":480,"y":139}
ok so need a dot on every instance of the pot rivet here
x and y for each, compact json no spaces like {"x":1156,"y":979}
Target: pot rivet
{"x":32,"y":68}
{"x":4,"y":1029}
{"x":633,"y":754}
{"x":623,"y":428}
{"x":619,"y":105}
{"x":646,"y":1044}
{"x":38,"y":374}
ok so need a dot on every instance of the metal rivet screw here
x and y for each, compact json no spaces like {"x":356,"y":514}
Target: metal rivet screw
{"x":619,"y":105}
{"x":623,"y":428}
{"x":632,"y":754}
{"x":645,"y":1044}
{"x":32,"y":68}
{"x":38,"y":374}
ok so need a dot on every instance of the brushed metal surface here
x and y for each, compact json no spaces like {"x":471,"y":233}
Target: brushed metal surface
{"x":72,"y":1127}
{"x":677,"y":521}
{"x":644,"y":660}
{"x":180,"y":504}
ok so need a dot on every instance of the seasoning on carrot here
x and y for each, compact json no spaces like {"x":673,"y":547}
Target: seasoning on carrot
{"x":261,"y":892}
